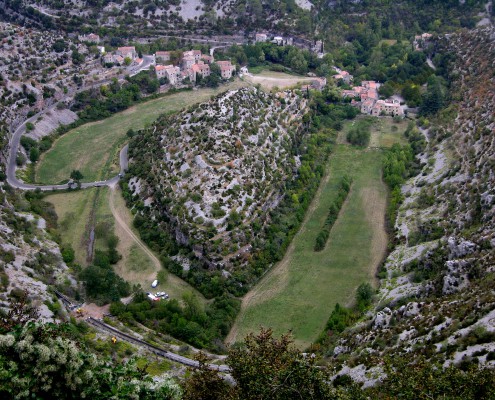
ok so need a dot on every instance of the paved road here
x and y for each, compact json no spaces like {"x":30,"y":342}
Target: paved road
{"x":21,"y":130}
{"x":148,"y":60}
{"x":11,"y":164}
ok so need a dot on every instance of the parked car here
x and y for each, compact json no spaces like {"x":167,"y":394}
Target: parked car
{"x":155,"y":283}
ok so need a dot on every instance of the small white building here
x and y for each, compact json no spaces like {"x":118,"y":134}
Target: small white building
{"x":261,"y":37}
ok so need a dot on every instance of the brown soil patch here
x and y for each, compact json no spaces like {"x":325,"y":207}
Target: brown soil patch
{"x":375,"y":206}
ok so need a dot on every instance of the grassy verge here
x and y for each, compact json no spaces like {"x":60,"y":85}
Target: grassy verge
{"x":93,"y":148}
{"x":300,"y":292}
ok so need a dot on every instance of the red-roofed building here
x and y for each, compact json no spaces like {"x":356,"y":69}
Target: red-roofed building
{"x":226,"y":69}
{"x":207,"y":59}
{"x":127,"y":52}
{"x":196,"y":54}
{"x":168,"y":71}
{"x":201,"y":69}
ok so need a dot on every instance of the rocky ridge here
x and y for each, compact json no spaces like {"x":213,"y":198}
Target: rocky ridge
{"x":217,"y":168}
{"x":437,"y":298}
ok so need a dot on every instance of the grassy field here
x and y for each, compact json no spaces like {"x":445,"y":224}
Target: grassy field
{"x":384,"y":131}
{"x":270,"y":79}
{"x":93,"y":148}
{"x":300,"y":292}
{"x":73,"y":211}
{"x":137,"y":266}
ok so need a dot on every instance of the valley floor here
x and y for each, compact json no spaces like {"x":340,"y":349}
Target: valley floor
{"x":93,"y":148}
{"x":299,"y":293}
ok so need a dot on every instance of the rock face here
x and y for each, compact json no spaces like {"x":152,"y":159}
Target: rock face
{"x":30,"y":261}
{"x":217,"y":169}
{"x":437,"y":299}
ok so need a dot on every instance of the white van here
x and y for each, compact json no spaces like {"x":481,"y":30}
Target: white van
{"x":155,"y":283}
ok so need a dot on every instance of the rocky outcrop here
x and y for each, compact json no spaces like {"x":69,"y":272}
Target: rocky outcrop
{"x":214,"y":171}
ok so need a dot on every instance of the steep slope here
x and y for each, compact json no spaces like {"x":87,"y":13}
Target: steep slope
{"x":213,"y":172}
{"x":30,"y":260}
{"x":437,"y":299}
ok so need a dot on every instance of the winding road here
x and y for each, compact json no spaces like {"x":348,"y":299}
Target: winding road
{"x":18,"y":184}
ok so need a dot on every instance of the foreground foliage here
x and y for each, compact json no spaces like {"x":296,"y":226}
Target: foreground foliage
{"x":46,"y":361}
{"x":265,"y":367}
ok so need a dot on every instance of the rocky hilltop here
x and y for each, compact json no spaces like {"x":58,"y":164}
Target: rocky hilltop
{"x":436,"y":298}
{"x":212,"y":172}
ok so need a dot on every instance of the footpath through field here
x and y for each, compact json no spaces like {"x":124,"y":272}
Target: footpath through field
{"x":140,"y":264}
{"x":299,"y":293}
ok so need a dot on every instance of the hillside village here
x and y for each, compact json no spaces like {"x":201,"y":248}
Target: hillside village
{"x":192,"y":64}
{"x":367,"y":98}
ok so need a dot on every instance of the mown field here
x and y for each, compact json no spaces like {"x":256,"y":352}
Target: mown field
{"x":299,"y":293}
{"x":93,"y":148}
{"x":385,"y":132}
{"x":271,"y":79}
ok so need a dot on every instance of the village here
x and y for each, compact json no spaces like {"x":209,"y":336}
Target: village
{"x":194,"y":65}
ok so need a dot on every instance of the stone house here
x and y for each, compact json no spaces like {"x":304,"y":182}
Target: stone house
{"x":162,"y":56}
{"x":168,"y":71}
{"x":319,"y":83}
{"x":261,"y":37}
{"x":195,"y":54}
{"x":226,"y":69}
{"x":201,"y":69}
{"x":127,"y":52}
{"x":387,"y":107}
{"x":187,"y":61}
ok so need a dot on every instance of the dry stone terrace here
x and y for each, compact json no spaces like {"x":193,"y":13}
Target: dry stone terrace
{"x":223,"y":165}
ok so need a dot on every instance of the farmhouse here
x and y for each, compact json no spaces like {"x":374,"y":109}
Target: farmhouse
{"x":201,"y":69}
{"x":127,"y":52}
{"x":387,"y":107}
{"x":226,"y":69}
{"x":160,"y":71}
{"x":195,"y":54}
{"x":343,"y":75}
{"x":168,"y":71}
{"x":319,"y":83}
{"x":187,"y":61}
{"x":162,"y":56}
